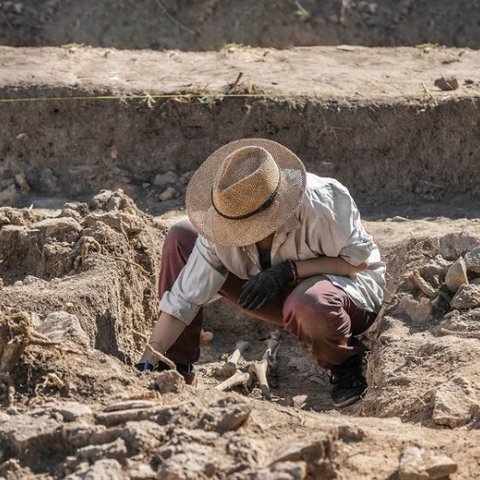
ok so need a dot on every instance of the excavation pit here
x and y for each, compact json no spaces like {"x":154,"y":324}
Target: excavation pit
{"x":401,"y":149}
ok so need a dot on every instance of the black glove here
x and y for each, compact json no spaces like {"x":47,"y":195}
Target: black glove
{"x":265,"y":285}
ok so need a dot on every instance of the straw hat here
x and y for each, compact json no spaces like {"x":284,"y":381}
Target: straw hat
{"x":244,"y":191}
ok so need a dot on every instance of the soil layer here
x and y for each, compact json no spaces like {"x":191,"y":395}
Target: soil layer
{"x":210,"y":24}
{"x":371,"y":118}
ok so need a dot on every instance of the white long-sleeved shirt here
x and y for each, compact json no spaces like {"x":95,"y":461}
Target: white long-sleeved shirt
{"x":327,"y":222}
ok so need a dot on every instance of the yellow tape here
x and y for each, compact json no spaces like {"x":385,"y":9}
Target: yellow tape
{"x":147,"y":97}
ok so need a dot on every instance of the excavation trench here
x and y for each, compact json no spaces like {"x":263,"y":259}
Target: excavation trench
{"x":85,"y":270}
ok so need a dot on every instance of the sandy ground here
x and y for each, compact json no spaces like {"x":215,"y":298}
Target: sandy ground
{"x":339,"y":73}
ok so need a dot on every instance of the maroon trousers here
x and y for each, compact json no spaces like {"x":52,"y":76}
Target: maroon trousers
{"x":316,"y":311}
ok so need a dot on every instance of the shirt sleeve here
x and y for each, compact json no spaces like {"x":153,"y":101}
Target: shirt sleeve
{"x":339,"y":229}
{"x":199,"y":281}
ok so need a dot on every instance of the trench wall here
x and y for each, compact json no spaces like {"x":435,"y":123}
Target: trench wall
{"x":387,"y":154}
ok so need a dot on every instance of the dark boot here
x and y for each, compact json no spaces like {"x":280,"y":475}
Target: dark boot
{"x":348,"y":383}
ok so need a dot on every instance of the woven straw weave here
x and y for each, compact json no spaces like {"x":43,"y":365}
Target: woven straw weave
{"x":236,"y":194}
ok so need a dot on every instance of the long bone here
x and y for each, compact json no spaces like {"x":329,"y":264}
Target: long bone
{"x":269,"y":360}
{"x":238,"y":378}
{"x":231,"y":365}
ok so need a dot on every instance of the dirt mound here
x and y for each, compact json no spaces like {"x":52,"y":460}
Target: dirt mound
{"x":210,"y":24}
{"x":98,"y":261}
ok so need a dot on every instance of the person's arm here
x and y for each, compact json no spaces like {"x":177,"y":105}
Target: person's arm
{"x":198,"y":282}
{"x":166,"y":331}
{"x":327,"y":265}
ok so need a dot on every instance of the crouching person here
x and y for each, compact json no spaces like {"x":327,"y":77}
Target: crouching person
{"x":283,"y":245}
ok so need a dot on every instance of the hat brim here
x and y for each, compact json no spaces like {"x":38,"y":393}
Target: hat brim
{"x":237,"y":233}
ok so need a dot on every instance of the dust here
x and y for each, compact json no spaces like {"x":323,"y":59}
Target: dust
{"x":79,"y":281}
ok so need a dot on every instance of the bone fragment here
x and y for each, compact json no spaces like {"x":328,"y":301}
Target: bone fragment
{"x":423,"y":285}
{"x":238,"y":378}
{"x":231,"y":365}
{"x":260,"y":370}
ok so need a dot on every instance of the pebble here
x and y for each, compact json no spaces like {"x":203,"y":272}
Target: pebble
{"x":446,"y":83}
{"x":21,"y":182}
{"x":164,"y":180}
{"x":168,"y":194}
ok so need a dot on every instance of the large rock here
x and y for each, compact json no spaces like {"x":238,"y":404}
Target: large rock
{"x":467,"y":297}
{"x":417,"y":464}
{"x":27,"y":435}
{"x":472,"y":260}
{"x":60,"y":326}
{"x":454,"y":402}
{"x":456,"y":275}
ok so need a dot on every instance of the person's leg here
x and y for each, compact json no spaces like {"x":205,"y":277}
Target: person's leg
{"x":177,"y":247}
{"x":324,"y":316}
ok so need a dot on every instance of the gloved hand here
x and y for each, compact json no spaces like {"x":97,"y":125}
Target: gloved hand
{"x":265,"y":285}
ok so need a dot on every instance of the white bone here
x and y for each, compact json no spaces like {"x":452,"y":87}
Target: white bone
{"x":238,"y":378}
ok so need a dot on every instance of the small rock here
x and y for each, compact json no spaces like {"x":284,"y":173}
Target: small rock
{"x":456,"y":275}
{"x":21,"y":182}
{"x":18,"y":283}
{"x":472,"y":260}
{"x":169,"y":381}
{"x":168,"y":194}
{"x":107,"y":469}
{"x":27,"y":435}
{"x":468,"y":296}
{"x":142,"y":472}
{"x":92,"y":453}
{"x":163,"y":180}
{"x":416,"y":310}
{"x":446,"y":83}
{"x":453,"y":403}
{"x":310,"y":450}
{"x":417,"y":464}
{"x":350,"y":433}
{"x":59,"y":326}
{"x":206,"y":336}
{"x":70,"y":411}
{"x":225,"y":415}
